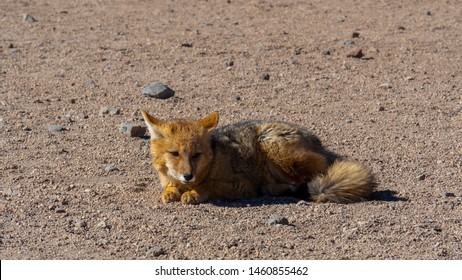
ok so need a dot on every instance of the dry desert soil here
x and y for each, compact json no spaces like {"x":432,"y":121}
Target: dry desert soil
{"x":380,"y":82}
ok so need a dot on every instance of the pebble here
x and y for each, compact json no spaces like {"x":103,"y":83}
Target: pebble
{"x":355,"y":34}
{"x":349,"y":43}
{"x":440,"y":161}
{"x":265,"y":77}
{"x":229,"y":63}
{"x":277,"y":220}
{"x":355,"y":52}
{"x":109,"y":111}
{"x":59,"y":210}
{"x":187,"y":45}
{"x":381,"y":109}
{"x":28,"y":18}
{"x":55,"y":128}
{"x":156,"y":251}
{"x":158,"y":90}
{"x":422,"y":177}
{"x":132,"y":130}
{"x":110,"y":168}
{"x":325,"y":52}
{"x":450,"y":194}
{"x":81,"y":223}
{"x":102,"y":242}
{"x":385,"y":86}
{"x":102,"y":224}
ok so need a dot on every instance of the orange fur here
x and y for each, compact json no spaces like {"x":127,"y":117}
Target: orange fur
{"x":197,"y":162}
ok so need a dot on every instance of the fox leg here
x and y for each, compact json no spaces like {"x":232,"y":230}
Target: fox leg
{"x":194,"y":196}
{"x":292,"y":156}
{"x":171,"y":194}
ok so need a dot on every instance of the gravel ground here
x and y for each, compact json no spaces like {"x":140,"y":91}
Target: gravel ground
{"x":379,"y":82}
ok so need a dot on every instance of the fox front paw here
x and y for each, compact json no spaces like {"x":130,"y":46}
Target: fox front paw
{"x":171,"y":196}
{"x":191,"y":197}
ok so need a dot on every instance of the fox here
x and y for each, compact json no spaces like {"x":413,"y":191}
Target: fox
{"x":197,"y":161}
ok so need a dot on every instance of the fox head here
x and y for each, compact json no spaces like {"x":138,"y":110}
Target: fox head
{"x":181,"y":149}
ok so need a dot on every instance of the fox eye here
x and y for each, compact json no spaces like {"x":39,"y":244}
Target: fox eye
{"x":175,"y":153}
{"x":196,"y":155}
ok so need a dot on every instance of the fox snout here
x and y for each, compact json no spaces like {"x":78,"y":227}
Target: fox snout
{"x":187,"y":177}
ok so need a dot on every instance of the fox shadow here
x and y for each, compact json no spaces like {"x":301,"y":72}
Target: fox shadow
{"x":299,"y":196}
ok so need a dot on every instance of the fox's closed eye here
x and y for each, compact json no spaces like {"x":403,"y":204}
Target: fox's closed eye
{"x":175,"y":153}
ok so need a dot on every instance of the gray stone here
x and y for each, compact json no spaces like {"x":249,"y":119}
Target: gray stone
{"x":277,"y":220}
{"x":110,"y":167}
{"x":158,"y":90}
{"x":55,"y":128}
{"x":156,"y":251}
{"x":355,"y":53}
{"x":108,"y":111}
{"x":132,"y":130}
{"x":28,"y":18}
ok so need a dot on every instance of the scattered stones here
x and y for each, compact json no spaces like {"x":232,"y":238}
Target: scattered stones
{"x":265,"y":77}
{"x":156,"y":251}
{"x":277,"y":220}
{"x":355,"y":34}
{"x":355,"y":53}
{"x":111,"y":111}
{"x":132,"y":130}
{"x":55,"y":128}
{"x":110,"y":168}
{"x":385,"y":86}
{"x":28,"y":18}
{"x":158,"y":90}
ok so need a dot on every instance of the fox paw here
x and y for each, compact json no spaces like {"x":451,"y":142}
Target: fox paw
{"x":171,"y":196}
{"x":190,"y":197}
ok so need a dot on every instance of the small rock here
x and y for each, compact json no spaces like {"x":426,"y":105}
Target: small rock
{"x":277,"y":220}
{"x":440,"y":161}
{"x":355,"y":52}
{"x":59,"y":210}
{"x":325,"y":52}
{"x":81,"y":223}
{"x":355,"y":34}
{"x":28,"y":18}
{"x":187,"y":45}
{"x":410,"y":78}
{"x":422,"y":177}
{"x":265,"y":77}
{"x":428,"y":13}
{"x":2,"y":122}
{"x":156,"y":251}
{"x":401,"y":28}
{"x":132,"y":130}
{"x":108,"y":111}
{"x":102,"y":224}
{"x":102,"y":242}
{"x":385,"y":86}
{"x":55,"y":128}
{"x":381,"y":109}
{"x":349,"y":43}
{"x":110,"y":168}
{"x":158,"y":90}
{"x":229,"y":63}
{"x":349,"y":121}
{"x":450,"y":194}
{"x":238,"y":98}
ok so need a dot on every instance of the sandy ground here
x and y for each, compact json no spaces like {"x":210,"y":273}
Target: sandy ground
{"x":73,"y":186}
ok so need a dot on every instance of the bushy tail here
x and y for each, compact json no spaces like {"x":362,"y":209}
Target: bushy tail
{"x":344,"y":182}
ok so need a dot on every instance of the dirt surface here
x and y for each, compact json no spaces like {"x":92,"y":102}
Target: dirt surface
{"x":75,"y":187}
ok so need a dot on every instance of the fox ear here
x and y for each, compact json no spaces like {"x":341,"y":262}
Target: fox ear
{"x":210,"y":121}
{"x":153,"y":125}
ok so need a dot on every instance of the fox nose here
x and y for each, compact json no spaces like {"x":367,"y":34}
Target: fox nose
{"x":188,"y":176}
